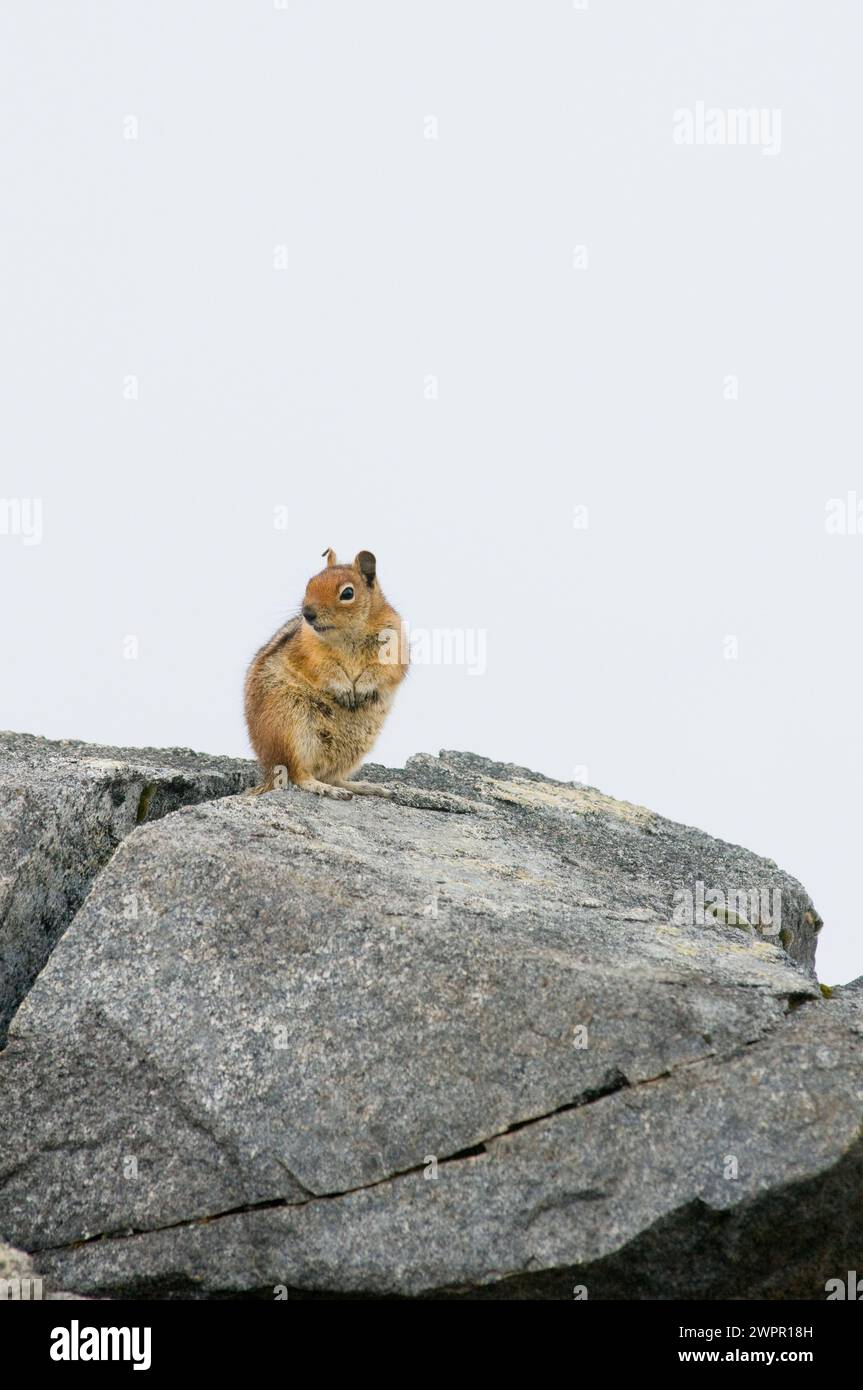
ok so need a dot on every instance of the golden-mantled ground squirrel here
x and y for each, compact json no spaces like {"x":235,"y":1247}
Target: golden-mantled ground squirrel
{"x":318,"y":693}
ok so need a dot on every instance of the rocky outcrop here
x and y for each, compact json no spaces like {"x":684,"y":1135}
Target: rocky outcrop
{"x":64,"y":807}
{"x":497,"y":1037}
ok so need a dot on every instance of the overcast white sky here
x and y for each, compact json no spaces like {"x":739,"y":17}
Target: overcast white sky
{"x":240,"y":274}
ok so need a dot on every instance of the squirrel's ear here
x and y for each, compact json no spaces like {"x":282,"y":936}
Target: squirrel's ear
{"x":330,"y":556}
{"x":367,"y":565}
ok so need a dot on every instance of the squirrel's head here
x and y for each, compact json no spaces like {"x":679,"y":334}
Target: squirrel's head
{"x":339,"y":601}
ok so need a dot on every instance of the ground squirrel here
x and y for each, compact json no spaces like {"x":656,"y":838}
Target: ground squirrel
{"x":318,"y":693}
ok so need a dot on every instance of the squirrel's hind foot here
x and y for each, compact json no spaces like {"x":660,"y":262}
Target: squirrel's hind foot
{"x":311,"y":784}
{"x":367,"y":789}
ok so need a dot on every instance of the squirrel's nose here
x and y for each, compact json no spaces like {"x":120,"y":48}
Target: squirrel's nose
{"x":310,"y":614}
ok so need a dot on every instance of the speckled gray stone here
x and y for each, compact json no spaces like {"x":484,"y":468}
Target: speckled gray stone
{"x":19,"y":1280}
{"x":732,"y":1178}
{"x":456,"y":1044}
{"x":64,"y":807}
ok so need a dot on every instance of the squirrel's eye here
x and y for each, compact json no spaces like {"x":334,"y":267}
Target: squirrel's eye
{"x":347,"y":594}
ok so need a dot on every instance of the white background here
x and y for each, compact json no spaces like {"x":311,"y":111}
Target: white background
{"x":407,"y":257}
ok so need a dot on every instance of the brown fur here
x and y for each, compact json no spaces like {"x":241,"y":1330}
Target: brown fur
{"x":319,"y":691}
